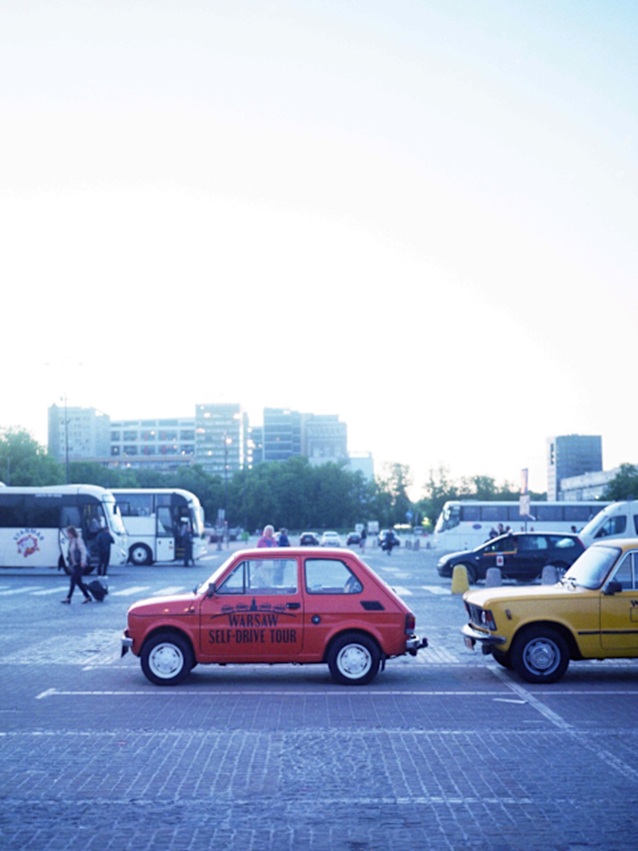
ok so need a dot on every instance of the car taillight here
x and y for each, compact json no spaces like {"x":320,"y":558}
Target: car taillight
{"x":410,"y":623}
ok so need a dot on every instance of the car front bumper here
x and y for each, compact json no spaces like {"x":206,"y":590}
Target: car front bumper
{"x":127,"y":644}
{"x":487,"y":640}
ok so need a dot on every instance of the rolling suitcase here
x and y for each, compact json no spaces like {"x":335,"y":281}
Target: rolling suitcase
{"x":98,"y":590}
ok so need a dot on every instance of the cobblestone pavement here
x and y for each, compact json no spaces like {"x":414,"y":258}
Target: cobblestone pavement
{"x":444,"y":751}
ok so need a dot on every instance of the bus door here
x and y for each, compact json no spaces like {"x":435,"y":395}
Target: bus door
{"x":619,"y":611}
{"x":165,"y":534}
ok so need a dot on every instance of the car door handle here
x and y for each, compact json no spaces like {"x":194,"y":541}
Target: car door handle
{"x":293,"y":605}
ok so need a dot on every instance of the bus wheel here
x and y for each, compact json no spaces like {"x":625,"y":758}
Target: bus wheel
{"x":140,"y":554}
{"x":166,"y":659}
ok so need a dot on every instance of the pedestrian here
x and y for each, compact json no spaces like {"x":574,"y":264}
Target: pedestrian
{"x":268,"y":537}
{"x":362,"y":540}
{"x":104,"y":540}
{"x":282,"y":540}
{"x":187,"y":545}
{"x":389,"y":541}
{"x":77,"y":558}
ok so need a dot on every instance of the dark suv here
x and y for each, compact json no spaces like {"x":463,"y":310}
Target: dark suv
{"x":519,"y":555}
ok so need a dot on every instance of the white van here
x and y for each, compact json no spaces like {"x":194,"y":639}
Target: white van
{"x":617,"y":520}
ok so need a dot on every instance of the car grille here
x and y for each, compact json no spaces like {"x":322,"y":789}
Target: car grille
{"x":476,"y":614}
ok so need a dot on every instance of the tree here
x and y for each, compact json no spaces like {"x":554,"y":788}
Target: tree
{"x":624,"y":485}
{"x":25,"y":463}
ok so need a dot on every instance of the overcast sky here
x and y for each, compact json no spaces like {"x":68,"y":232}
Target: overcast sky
{"x":419,"y":214}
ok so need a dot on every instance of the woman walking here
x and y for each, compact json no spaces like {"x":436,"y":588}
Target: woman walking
{"x":77,"y":563}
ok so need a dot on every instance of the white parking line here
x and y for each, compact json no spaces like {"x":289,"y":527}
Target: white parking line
{"x":25,"y":589}
{"x":130,"y":592}
{"x":171,"y":589}
{"x":50,"y":591}
{"x":401,"y":591}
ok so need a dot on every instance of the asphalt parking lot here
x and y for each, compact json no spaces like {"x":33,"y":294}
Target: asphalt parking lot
{"x":443,"y":751}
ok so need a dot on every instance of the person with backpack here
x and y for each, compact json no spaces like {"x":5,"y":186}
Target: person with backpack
{"x":77,"y":558}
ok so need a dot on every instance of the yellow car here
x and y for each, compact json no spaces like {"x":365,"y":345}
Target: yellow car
{"x":591,"y":613}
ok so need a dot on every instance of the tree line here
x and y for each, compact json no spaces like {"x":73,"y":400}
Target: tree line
{"x":291,"y":493}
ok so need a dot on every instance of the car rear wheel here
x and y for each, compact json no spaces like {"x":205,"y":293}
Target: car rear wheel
{"x":540,"y":655}
{"x":167,"y":659}
{"x":353,"y":659}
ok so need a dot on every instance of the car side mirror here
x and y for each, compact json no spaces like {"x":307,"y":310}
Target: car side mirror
{"x":612,"y":587}
{"x":211,"y":590}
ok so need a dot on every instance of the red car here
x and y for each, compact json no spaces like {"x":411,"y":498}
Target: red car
{"x":281,"y":605}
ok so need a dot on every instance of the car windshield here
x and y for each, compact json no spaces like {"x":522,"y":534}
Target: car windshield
{"x":592,"y":567}
{"x":203,"y":586}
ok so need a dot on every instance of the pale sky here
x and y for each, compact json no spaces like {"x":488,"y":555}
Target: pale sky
{"x":419,"y":215}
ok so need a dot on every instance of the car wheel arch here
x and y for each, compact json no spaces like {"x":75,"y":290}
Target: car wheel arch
{"x":354,"y":632}
{"x":562,"y":629}
{"x":168,"y":630}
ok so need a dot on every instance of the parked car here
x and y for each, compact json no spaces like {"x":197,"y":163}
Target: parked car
{"x":308,"y":539}
{"x":519,"y":555}
{"x":353,"y":539}
{"x":293,"y":606}
{"x":588,"y":614}
{"x":330,"y":539}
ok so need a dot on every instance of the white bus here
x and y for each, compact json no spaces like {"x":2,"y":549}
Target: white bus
{"x":155,"y":521}
{"x":465,"y":524}
{"x":33,"y":523}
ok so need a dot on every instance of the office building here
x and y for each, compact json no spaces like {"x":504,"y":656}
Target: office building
{"x":571,"y":455}
{"x":78,"y":434}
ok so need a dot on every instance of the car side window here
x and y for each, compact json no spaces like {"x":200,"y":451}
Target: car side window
{"x":330,"y":576}
{"x":262,"y":576}
{"x":626,"y":572}
{"x":564,"y":543}
{"x":614,"y":526}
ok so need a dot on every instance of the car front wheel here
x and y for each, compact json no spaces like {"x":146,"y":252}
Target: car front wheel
{"x":354,"y":660}
{"x":166,"y":659}
{"x":540,"y":655}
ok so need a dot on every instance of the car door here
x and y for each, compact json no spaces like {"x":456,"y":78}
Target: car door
{"x":619,"y":611}
{"x":529,"y":559}
{"x":337,"y":598}
{"x":255,"y":613}
{"x":498,"y":553}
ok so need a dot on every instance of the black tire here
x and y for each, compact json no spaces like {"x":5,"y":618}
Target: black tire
{"x":502,"y":658}
{"x":167,"y":659}
{"x":354,"y":659}
{"x":140,"y":554}
{"x":540,"y":654}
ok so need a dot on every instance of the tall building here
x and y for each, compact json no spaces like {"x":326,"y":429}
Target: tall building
{"x":76,"y":434}
{"x":571,"y":455}
{"x":221,"y":438}
{"x":324,"y":438}
{"x":281,"y":434}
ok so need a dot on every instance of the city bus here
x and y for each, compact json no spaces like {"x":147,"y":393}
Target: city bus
{"x":464,"y":524}
{"x":33,"y":524}
{"x":155,"y":520}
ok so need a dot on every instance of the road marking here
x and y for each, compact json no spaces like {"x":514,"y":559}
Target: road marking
{"x":437,"y":589}
{"x":129,"y":592}
{"x":49,"y":591}
{"x":171,"y":589}
{"x":526,"y":695}
{"x":26,"y":589}
{"x":401,"y":591}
